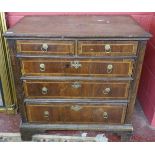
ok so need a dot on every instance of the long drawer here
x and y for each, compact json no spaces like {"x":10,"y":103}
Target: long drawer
{"x":107,"y":48}
{"x":79,"y":67}
{"x":76,"y":113}
{"x":76,"y":89}
{"x":51,"y":47}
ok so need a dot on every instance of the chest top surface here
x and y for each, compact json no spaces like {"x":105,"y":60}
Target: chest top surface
{"x":77,"y":26}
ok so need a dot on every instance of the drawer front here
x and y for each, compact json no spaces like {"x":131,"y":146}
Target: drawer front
{"x":77,"y":67}
{"x":45,"y":47}
{"x":107,"y":48}
{"x":76,"y":89}
{"x":76,"y":113}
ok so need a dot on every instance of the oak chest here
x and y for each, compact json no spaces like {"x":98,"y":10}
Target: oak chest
{"x":76,"y":72}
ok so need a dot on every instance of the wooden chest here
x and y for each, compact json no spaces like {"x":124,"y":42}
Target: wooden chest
{"x":76,"y":72}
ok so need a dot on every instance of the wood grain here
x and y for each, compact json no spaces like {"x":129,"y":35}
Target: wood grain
{"x":65,"y":113}
{"x":66,"y":89}
{"x":54,"y":47}
{"x":135,"y":83}
{"x":97,"y":48}
{"x":69,"y":93}
{"x":63,"y":67}
{"x":77,"y":26}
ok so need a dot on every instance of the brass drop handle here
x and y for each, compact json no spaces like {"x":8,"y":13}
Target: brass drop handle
{"x":44,"y":47}
{"x":107,"y":48}
{"x":46,"y":114}
{"x":76,"y":85}
{"x":76,"y":64}
{"x":105,"y":115}
{"x":42,"y":67}
{"x":44,"y":90}
{"x":106,"y":91}
{"x":109,"y":68}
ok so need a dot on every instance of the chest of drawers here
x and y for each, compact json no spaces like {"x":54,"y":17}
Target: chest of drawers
{"x":76,"y":72}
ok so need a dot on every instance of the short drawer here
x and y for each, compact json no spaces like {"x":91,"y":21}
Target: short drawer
{"x":117,"y":68}
{"x":107,"y":48}
{"x":45,"y":47}
{"x":76,"y":113}
{"x":76,"y":89}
